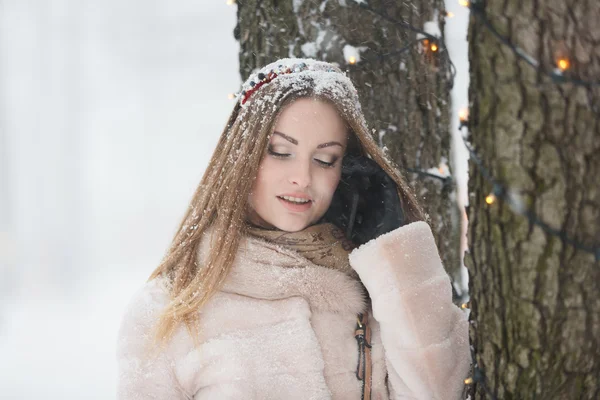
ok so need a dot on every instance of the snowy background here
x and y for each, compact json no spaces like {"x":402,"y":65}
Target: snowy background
{"x":109,"y":112}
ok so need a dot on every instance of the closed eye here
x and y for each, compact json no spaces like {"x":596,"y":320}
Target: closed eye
{"x":280,"y":155}
{"x":324,"y":164}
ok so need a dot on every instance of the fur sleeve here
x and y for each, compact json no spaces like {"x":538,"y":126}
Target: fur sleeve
{"x":424,"y":335}
{"x":145,"y":372}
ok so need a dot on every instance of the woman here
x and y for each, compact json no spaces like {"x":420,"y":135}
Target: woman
{"x":263,"y":295}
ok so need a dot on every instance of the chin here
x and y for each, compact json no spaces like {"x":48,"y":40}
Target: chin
{"x":293,"y":226}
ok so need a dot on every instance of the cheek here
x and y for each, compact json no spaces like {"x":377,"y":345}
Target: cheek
{"x":265,"y":177}
{"x":329,"y":183}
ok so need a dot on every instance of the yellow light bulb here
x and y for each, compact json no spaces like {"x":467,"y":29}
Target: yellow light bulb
{"x":434,"y":47}
{"x":464,"y":3}
{"x":231,"y":96}
{"x":490,"y":198}
{"x":449,"y":14}
{"x":463,"y":115}
{"x":230,"y":2}
{"x":464,"y":306}
{"x":468,"y":381}
{"x":563,"y":64}
{"x":352,"y":60}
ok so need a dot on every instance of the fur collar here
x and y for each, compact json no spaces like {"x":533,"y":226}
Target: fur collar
{"x":264,"y":270}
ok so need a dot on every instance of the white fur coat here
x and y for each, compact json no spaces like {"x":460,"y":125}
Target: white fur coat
{"x":283,"y":328}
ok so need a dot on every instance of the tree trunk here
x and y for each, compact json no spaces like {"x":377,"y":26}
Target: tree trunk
{"x":535,"y":297}
{"x":405,"y":97}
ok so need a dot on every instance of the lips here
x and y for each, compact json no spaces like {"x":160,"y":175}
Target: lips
{"x":297,"y":195}
{"x":296,"y":207}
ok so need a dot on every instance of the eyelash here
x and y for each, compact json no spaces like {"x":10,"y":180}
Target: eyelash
{"x":321,"y":162}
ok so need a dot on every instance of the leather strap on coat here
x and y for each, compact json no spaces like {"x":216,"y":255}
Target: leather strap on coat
{"x":363,"y":370}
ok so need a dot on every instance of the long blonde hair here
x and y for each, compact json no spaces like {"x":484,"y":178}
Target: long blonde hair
{"x":220,"y":201}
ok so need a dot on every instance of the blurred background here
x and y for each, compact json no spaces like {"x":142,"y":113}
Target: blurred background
{"x":109,"y":112}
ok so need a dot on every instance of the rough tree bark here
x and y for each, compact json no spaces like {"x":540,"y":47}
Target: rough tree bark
{"x":535,"y":299}
{"x":405,"y":98}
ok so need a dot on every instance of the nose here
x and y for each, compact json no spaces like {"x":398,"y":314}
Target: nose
{"x":300,"y":174}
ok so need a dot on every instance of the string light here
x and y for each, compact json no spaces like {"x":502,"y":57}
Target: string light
{"x":505,"y":194}
{"x":463,"y":117}
{"x":563,"y":64}
{"x":477,"y":8}
{"x":230,"y":2}
{"x":499,"y":191}
{"x":352,"y":60}
{"x":502,"y":192}
{"x":431,"y":45}
{"x":231,"y":96}
{"x":464,"y":306}
{"x":422,"y":37}
{"x":446,"y":180}
{"x":479,"y":377}
{"x":556,"y":74}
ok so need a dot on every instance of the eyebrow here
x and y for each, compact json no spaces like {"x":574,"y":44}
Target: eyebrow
{"x":294,"y":141}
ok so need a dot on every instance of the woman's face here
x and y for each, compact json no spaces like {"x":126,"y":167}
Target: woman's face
{"x":302,"y":167}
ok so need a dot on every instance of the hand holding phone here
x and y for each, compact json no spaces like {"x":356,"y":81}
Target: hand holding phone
{"x":366,"y":203}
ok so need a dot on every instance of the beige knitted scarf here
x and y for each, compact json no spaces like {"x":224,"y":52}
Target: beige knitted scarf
{"x":322,"y":244}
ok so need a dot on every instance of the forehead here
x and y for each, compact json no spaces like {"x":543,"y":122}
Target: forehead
{"x":311,"y":119}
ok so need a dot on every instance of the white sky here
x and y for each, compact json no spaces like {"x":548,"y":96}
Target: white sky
{"x":109,"y":112}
